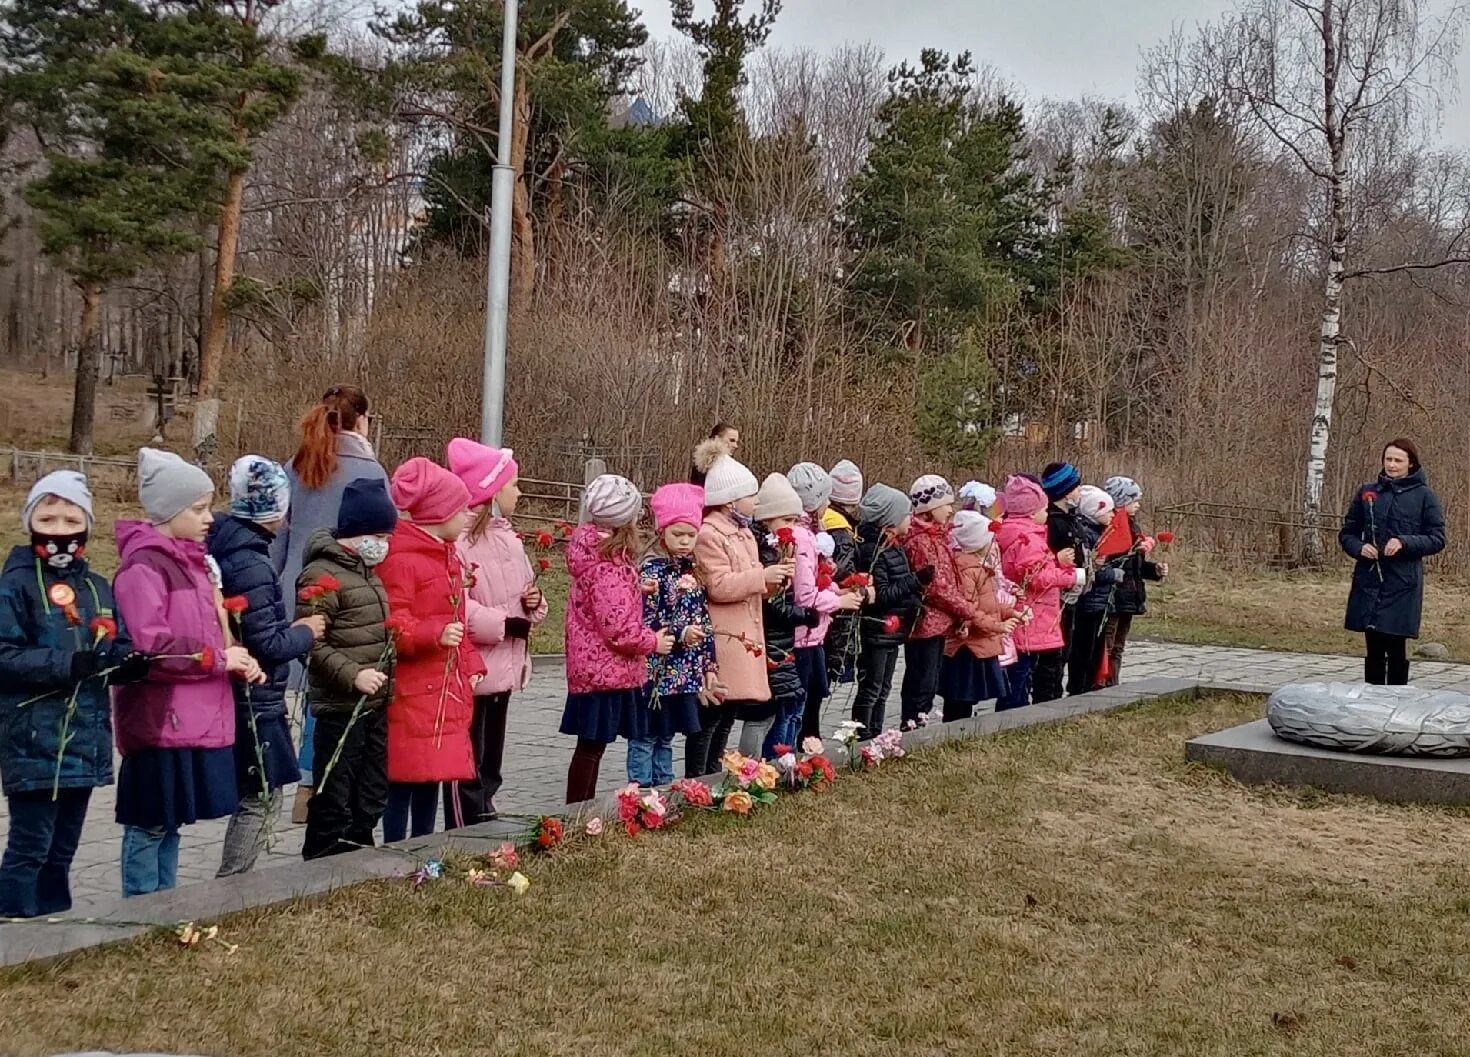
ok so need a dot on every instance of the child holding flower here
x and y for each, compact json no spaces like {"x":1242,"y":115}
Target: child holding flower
{"x":503,"y":603}
{"x":1086,"y":650}
{"x":265,"y":757}
{"x":176,"y":727}
{"x":673,"y":599}
{"x":972,"y":671}
{"x":607,"y":643}
{"x":1127,"y":546}
{"x":884,"y":518}
{"x":61,"y":646}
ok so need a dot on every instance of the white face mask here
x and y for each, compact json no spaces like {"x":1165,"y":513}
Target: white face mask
{"x":372,"y":550}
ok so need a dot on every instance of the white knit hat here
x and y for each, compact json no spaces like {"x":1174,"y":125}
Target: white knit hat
{"x":930,"y":491}
{"x":612,"y":501}
{"x":725,"y":480}
{"x":776,"y":499}
{"x":969,"y":532}
{"x":1093,"y":502}
{"x":977,"y":495}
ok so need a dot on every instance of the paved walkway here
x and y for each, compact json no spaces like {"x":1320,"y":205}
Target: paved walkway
{"x":537,"y":755}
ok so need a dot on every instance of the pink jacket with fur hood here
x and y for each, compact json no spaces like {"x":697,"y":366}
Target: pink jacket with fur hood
{"x":501,"y":572}
{"x":1023,"y":548}
{"x":607,"y":644}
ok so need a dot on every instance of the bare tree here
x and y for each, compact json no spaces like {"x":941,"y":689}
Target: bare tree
{"x":1328,"y":79}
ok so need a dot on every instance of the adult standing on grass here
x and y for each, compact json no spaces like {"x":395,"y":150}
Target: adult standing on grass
{"x":1391,"y":526}
{"x":334,"y":452}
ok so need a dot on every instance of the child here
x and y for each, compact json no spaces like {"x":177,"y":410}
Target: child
{"x":778,"y":508}
{"x":433,"y":698}
{"x":176,"y":727}
{"x":670,"y":705}
{"x":1128,"y":547}
{"x":972,"y":671}
{"x":1040,"y":577}
{"x":502,"y":605}
{"x":883,"y":521}
{"x":607,"y":644}
{"x":735,"y":582}
{"x":1095,"y":513}
{"x":1060,"y":481}
{"x":815,"y":587}
{"x":926,"y":545}
{"x":350,"y":668}
{"x":265,"y":759}
{"x":54,"y":642}
{"x":977,"y":496}
{"x":840,"y":523}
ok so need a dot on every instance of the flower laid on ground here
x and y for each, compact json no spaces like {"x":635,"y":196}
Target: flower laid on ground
{"x":812,"y":745}
{"x":190,"y":935}
{"x":504,"y":857}
{"x":693,"y":792}
{"x":549,"y":833}
{"x":429,"y":871}
{"x":518,"y":883}
{"x":640,"y":809}
{"x":737,"y":801}
{"x":544,"y":539}
{"x":766,"y":776}
{"x":594,"y":827}
{"x":887,"y":746}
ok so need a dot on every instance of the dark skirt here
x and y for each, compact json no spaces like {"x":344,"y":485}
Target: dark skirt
{"x":675,"y":714}
{"x":756,"y":711}
{"x":169,"y":788}
{"x":965,"y":677}
{"x":600,"y":716}
{"x":811,"y":669}
{"x":276,"y":748}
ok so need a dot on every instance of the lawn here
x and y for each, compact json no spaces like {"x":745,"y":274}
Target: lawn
{"x":1077,"y":890}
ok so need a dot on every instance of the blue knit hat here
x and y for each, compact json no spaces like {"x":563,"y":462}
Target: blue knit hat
{"x":1059,"y":480}
{"x":259,"y":489}
{"x":366,"y":510}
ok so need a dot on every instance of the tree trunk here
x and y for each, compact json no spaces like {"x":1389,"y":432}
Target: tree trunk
{"x":522,"y":233}
{"x":212,"y":349}
{"x":84,"y":395}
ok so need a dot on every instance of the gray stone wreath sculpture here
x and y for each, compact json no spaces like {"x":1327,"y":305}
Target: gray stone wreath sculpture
{"x":1356,"y":717}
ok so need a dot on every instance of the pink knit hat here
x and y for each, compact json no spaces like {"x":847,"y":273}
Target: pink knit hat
{"x":484,"y":470}
{"x":1023,"y":497}
{"x":427,"y":492}
{"x":677,"y":504}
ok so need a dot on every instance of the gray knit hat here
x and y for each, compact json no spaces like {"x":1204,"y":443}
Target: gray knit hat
{"x":63,"y":484}
{"x":884,"y":505}
{"x":167,"y":484}
{"x":812,"y":483}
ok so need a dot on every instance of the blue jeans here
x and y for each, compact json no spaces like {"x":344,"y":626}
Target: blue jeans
{"x":651,"y":761}
{"x":787,"y":728}
{"x":304,"y":759}
{"x":44,"y":834}
{"x":150,"y":860}
{"x":1018,"y":677}
{"x":413,"y":808}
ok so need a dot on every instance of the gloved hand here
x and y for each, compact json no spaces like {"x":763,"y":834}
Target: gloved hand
{"x":134,"y":669}
{"x":926,"y":575}
{"x":517,"y":628}
{"x":85,"y":664}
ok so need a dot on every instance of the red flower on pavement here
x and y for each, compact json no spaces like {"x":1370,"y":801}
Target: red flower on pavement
{"x":235,"y":604}
{"x":103,"y":628}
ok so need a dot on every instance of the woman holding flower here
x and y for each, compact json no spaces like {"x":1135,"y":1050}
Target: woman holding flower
{"x":1391,"y":526}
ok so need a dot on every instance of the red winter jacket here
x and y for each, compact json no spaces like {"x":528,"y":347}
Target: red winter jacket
{"x":429,"y":715}
{"x":945,"y":604}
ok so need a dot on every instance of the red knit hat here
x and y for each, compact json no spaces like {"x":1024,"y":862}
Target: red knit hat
{"x":427,"y":492}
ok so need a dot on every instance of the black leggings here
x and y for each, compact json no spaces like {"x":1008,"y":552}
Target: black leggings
{"x":1387,"y":663}
{"x":582,"y":773}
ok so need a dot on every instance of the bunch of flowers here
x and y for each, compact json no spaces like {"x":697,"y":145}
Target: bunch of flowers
{"x":549,"y":834}
{"x":641,"y":809}
{"x":191,"y":935}
{"x":926,"y":719}
{"x":811,"y":770}
{"x":886,"y":746}
{"x":496,"y":869}
{"x":749,"y":781}
{"x":692,"y":793}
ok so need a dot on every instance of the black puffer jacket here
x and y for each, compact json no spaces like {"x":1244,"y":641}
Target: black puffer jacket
{"x":242,"y":551}
{"x":357,"y":632}
{"x":1102,"y":592}
{"x":782,"y":616}
{"x":1132,"y":595}
{"x":1064,"y":529}
{"x":899,"y":592}
{"x":1402,"y":508}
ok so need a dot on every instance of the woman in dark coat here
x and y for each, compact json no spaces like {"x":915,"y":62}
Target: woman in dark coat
{"x":1392,"y":525}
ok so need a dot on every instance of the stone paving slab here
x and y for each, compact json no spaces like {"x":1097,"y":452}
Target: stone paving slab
{"x":537,"y":754}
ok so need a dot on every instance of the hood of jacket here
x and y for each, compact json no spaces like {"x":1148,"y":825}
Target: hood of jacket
{"x":136,"y":537}
{"x":323,"y":545}
{"x":582,"y":553}
{"x":231,"y":535}
{"x":409,"y":538}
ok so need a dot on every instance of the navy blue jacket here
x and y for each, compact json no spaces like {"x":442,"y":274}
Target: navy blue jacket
{"x":1102,"y":595}
{"x":37,"y":643}
{"x":898,"y":591}
{"x":1405,"y":508}
{"x":242,"y":550}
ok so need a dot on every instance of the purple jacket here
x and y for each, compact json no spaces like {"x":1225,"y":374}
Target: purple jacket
{"x":169,"y":606}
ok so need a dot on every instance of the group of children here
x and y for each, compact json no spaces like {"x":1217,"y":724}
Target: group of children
{"x":412,"y":618}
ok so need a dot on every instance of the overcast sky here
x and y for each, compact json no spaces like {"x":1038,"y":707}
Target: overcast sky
{"x":1057,"y":48}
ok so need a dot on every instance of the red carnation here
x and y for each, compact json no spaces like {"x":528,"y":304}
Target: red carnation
{"x":892,"y":623}
{"x":824,"y":580}
{"x":235,"y":604}
{"x":103,"y":628}
{"x":1166,"y":537}
{"x":311,"y":592}
{"x":780,"y":750}
{"x":544,"y":539}
{"x":549,"y":835}
{"x":544,"y":564}
{"x":399,"y":624}
{"x":771,"y":665}
{"x":1370,"y":496}
{"x":328,"y":583}
{"x":206,"y":658}
{"x":786,"y":536}
{"x":994,"y":527}
{"x":856,"y":581}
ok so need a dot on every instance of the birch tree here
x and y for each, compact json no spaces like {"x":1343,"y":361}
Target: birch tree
{"x":1326,"y":78}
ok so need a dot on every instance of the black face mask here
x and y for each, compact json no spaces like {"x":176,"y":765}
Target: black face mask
{"x":59,"y":551}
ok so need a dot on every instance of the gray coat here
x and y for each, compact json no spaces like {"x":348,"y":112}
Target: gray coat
{"x":316,"y":508}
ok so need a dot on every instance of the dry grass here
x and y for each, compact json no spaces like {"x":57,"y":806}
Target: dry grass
{"x":1202,"y":602}
{"x":1075,"y":891}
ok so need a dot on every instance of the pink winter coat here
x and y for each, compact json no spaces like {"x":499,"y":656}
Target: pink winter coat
{"x":805,"y":586}
{"x":1005,"y":594}
{"x":735,"y":584}
{"x":170,"y":607}
{"x":501,"y":573}
{"x":607,"y":644}
{"x":1025,"y":558}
